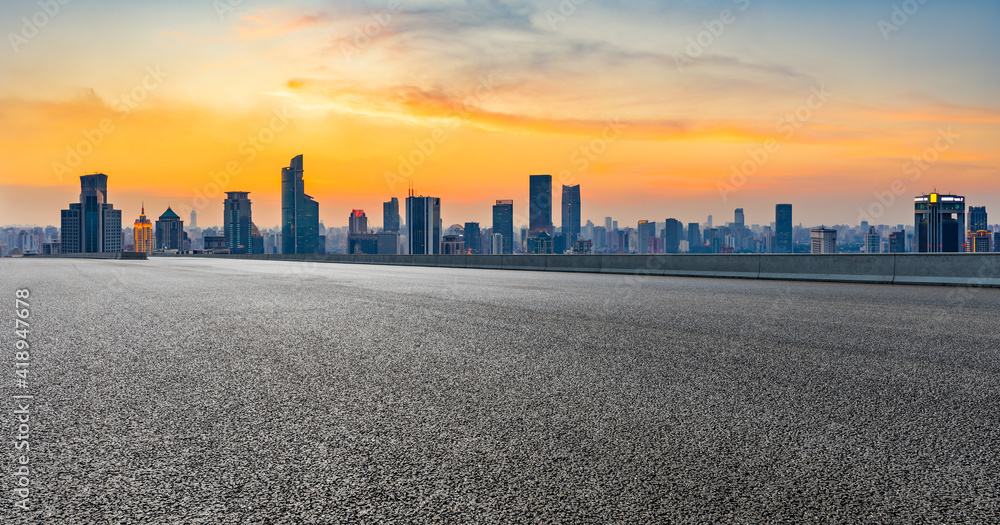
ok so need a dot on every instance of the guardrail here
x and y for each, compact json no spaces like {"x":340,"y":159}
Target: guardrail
{"x":957,"y":269}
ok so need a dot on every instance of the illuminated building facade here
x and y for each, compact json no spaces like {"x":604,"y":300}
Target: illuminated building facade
{"x":939,"y":222}
{"x":142,"y":233}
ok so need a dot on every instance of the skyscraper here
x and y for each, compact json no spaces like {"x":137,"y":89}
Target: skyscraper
{"x":979,"y":241}
{"x":473,"y":239}
{"x":824,"y":240}
{"x":897,"y":242}
{"x":142,"y":233}
{"x":503,"y":224}
{"x":646,"y":233}
{"x":739,"y":218}
{"x":390,"y":215}
{"x":357,"y":222}
{"x":194,"y":219}
{"x":939,"y":223}
{"x":873,"y":241}
{"x":169,"y":231}
{"x":695,"y":241}
{"x":423,"y":218}
{"x":672,"y":229}
{"x":93,"y":224}
{"x":571,"y":213}
{"x":783,"y":229}
{"x":977,"y":218}
{"x":299,"y":213}
{"x":236,"y":221}
{"x":540,"y":205}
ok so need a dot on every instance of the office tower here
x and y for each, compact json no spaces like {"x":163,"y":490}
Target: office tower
{"x":237,"y":221}
{"x":710,"y":222}
{"x":571,"y":213}
{"x":93,"y":224}
{"x":503,"y":224}
{"x":607,"y":224}
{"x":473,"y":239}
{"x":996,"y":241}
{"x":299,"y":213}
{"x":540,"y":205}
{"x":979,"y":241}
{"x":540,"y":244}
{"x":824,"y":240}
{"x":939,"y":223}
{"x":897,"y":242}
{"x":390,"y":215}
{"x":672,"y":229}
{"x":452,"y":245}
{"x":739,"y":218}
{"x":214,"y":243}
{"x":169,"y":231}
{"x":423,"y":218}
{"x":194,"y":219}
{"x":497,"y":247}
{"x":256,"y":240}
{"x":600,"y":238}
{"x":713,"y":240}
{"x":142,"y":233}
{"x":783,"y":229}
{"x":873,"y":241}
{"x":695,"y":242}
{"x":357,"y":222}
{"x":977,"y":218}
{"x":647,"y":232}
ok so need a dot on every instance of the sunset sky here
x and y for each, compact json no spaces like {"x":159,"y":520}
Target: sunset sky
{"x":638,"y":102}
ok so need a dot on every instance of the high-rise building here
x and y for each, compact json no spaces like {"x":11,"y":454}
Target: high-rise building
{"x":299,"y":213}
{"x":783,"y":229}
{"x":540,"y":205}
{"x":503,"y":224}
{"x":169,"y":231}
{"x":540,"y":244}
{"x":571,"y":213}
{"x":977,"y":219}
{"x":695,"y":241}
{"x":390,"y":215}
{"x":672,"y":229}
{"x":237,"y":222}
{"x":142,"y":233}
{"x":996,"y":241}
{"x":357,"y":222}
{"x":939,"y":223}
{"x":93,"y":224}
{"x":423,"y":219}
{"x":473,"y":238}
{"x":824,"y":240}
{"x":740,"y":218}
{"x":897,"y":242}
{"x":873,"y":241}
{"x":979,"y":241}
{"x":646,"y":233}
{"x":194,"y":219}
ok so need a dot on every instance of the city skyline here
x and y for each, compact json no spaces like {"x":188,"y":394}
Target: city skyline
{"x":201,"y":102}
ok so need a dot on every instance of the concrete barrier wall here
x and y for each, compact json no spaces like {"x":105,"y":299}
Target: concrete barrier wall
{"x":958,"y":269}
{"x":135,"y":256}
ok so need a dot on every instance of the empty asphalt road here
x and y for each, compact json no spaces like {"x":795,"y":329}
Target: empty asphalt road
{"x":180,"y":390}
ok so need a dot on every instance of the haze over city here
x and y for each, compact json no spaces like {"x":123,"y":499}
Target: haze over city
{"x":649,"y":107}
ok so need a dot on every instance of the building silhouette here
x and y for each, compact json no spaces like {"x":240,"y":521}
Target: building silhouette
{"x":695,"y":241}
{"x":423,"y":219}
{"x":540,"y":244}
{"x":390,"y":215}
{"x":194,"y":219}
{"x":93,"y":224}
{"x":783,"y":229}
{"x":169,"y":231}
{"x":977,"y":219}
{"x":939,"y":223}
{"x":473,"y":238}
{"x":503,"y":224}
{"x":571,"y":213}
{"x":672,"y":231}
{"x":740,"y":219}
{"x":357,"y":222}
{"x":237,"y":222}
{"x":142,"y":233}
{"x":873,"y":241}
{"x":299,"y":213}
{"x":540,"y":205}
{"x":824,"y":240}
{"x":897,"y":242}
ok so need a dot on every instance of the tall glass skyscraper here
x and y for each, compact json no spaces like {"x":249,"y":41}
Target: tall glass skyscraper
{"x":299,"y":213}
{"x":236,"y":221}
{"x":503,"y":224}
{"x":390,"y":215}
{"x":571,"y":213}
{"x":540,"y":205}
{"x":783,"y":229}
{"x":93,"y":224}
{"x":939,"y":222}
{"x":423,"y":219}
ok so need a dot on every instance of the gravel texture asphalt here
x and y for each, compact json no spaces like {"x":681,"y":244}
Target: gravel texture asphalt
{"x":181,"y":390}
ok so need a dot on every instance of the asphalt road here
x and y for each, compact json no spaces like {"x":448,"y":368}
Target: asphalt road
{"x":225,"y":391}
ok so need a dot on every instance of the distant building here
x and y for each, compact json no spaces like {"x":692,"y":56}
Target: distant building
{"x":996,"y":241}
{"x":194,"y":219}
{"x":540,"y":244}
{"x":939,"y":223}
{"x":873,"y":241}
{"x":740,"y":219}
{"x":387,"y":243}
{"x":824,"y":240}
{"x":237,"y":222}
{"x":695,"y":242}
{"x":452,"y":245}
{"x":672,"y":229}
{"x":540,"y":205}
{"x":299,"y":213}
{"x":979,"y":242}
{"x":362,"y":244}
{"x":977,"y":219}
{"x":646,"y":233}
{"x":169,"y":231}
{"x":357,"y":222}
{"x":390,"y":215}
{"x":897,"y":242}
{"x":783,"y":229}
{"x":503,"y":224}
{"x":93,"y":224}
{"x":473,"y":238}
{"x":583,"y":247}
{"x":142,"y":233}
{"x":49,"y":248}
{"x":571,"y":213}
{"x":423,"y":218}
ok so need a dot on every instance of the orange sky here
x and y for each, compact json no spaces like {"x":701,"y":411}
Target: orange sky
{"x":165,"y":99}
